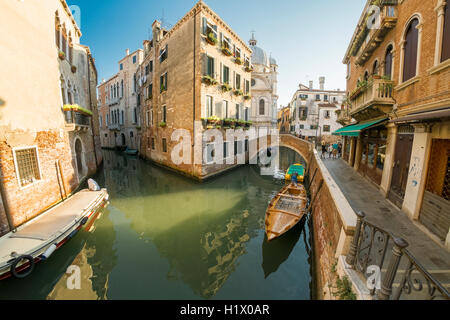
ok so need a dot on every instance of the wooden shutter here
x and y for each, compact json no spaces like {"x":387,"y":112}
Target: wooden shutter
{"x":446,"y":35}
{"x":410,"y":54}
{"x":204,"y":25}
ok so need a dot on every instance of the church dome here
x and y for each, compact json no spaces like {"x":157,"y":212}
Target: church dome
{"x":273,"y":62}
{"x":259,"y":56}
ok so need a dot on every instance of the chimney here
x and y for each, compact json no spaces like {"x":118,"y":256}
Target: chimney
{"x":156,"y":29}
{"x":322,"y":83}
{"x":127,"y":52}
{"x":311,"y":84}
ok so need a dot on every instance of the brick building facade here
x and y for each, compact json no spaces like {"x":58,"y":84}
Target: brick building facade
{"x":47,"y":143}
{"x":398,"y":88}
{"x":193,"y":77}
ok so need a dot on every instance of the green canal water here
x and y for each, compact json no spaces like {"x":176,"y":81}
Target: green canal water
{"x":164,"y":236}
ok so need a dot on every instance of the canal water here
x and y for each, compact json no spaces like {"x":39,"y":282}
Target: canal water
{"x":165,"y":236}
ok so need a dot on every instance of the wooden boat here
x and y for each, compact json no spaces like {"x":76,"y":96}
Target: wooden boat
{"x":285,"y":210}
{"x":131,"y":152}
{"x":299,"y":169}
{"x":37,"y":239}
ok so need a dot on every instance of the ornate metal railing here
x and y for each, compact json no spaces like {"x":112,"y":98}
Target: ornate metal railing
{"x":374,"y":250}
{"x":77,"y":118}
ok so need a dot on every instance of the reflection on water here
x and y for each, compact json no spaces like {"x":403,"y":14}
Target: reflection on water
{"x":168,"y":237}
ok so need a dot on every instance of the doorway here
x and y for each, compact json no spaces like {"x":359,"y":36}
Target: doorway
{"x":78,"y":153}
{"x":402,"y":159}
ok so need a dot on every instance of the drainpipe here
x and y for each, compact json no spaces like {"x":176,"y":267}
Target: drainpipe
{"x":194,"y":79}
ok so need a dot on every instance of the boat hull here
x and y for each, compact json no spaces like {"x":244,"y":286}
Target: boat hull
{"x":38,"y":248}
{"x":285,"y":211}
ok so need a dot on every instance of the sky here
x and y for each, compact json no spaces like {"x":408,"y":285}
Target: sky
{"x":308,"y":38}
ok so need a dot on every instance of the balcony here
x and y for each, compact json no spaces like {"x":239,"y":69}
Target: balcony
{"x":114,"y":126}
{"x":372,"y":100}
{"x":113,"y":101}
{"x":343,"y":116}
{"x":373,"y":37}
{"x":77,"y":118}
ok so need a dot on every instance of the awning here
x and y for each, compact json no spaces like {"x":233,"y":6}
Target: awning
{"x":423,"y":116}
{"x":355,"y":129}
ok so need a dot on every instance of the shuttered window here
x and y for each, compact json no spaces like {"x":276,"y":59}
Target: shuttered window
{"x":446,"y":35}
{"x":388,"y":63}
{"x":410,"y":51}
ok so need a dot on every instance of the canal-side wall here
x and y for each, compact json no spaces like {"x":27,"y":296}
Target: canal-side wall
{"x":334,"y":223}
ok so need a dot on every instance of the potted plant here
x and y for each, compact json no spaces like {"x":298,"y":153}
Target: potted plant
{"x":238,"y":61}
{"x":228,"y":122}
{"x":226,"y":51}
{"x":209,"y":80}
{"x":74,"y":69}
{"x":214,"y":120}
{"x":211,"y":39}
{"x":249,"y":68}
{"x":77,"y":108}
{"x":61,"y":55}
{"x":238,"y":92}
{"x":247,"y":97}
{"x":162,"y":124}
{"x":226,"y":87}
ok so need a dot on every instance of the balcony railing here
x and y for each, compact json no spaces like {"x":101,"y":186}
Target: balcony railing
{"x":388,"y":20}
{"x":376,"y":96}
{"x":76,"y":120}
{"x":113,"y":101}
{"x":114,"y":126}
{"x":398,"y":274}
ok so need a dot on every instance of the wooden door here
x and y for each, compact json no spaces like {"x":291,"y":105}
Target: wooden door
{"x":401,"y":168}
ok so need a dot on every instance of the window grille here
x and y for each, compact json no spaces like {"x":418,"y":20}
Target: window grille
{"x":27,"y":166}
{"x":438,"y":181}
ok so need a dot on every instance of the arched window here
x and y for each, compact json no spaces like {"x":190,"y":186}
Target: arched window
{"x":262,"y":107}
{"x":366,"y":76}
{"x":388,"y":62}
{"x":410,"y":50}
{"x":375,"y":68}
{"x":57,"y":30}
{"x":446,"y":34}
{"x":121,"y":88}
{"x":64,"y":41}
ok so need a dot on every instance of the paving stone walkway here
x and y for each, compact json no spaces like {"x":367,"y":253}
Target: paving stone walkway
{"x":365,"y":196}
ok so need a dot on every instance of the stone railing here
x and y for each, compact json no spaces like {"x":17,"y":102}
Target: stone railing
{"x":76,"y":120}
{"x":376,"y":255}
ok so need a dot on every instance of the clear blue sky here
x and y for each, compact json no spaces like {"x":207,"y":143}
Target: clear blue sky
{"x":307,"y":37}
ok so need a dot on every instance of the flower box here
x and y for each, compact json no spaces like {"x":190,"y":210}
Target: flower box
{"x":209,"y":80}
{"x":247,"y":97}
{"x":77,"y":108}
{"x":238,"y":92}
{"x":211,"y":39}
{"x":226,"y":87}
{"x":214,"y":120}
{"x":163,"y":124}
{"x":249,"y":69}
{"x":226,"y":51}
{"x":61,"y":55}
{"x":238,"y":61}
{"x":229,"y":122}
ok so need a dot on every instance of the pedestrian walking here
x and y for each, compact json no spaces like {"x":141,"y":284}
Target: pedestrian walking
{"x":330,"y":151}
{"x":335,"y":150}
{"x":340,"y":149}
{"x":324,"y":151}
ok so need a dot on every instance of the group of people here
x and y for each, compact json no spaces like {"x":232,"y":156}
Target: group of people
{"x":331,"y":150}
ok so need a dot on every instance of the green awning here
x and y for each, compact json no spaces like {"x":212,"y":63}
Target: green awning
{"x":355,"y":129}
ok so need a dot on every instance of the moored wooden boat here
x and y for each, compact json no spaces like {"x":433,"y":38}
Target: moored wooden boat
{"x":131,"y":152}
{"x":285,"y":210}
{"x":37,"y":239}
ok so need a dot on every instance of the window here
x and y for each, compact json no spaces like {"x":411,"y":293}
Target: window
{"x":163,"y":54}
{"x":326,"y":114}
{"x":446,"y":34}
{"x":147,"y":118}
{"x":100,"y":121}
{"x":164,"y":145}
{"x":262,"y":107}
{"x":122,"y":118}
{"x":302,"y":126}
{"x":209,"y":106}
{"x":151,"y":117}
{"x":134,"y":59}
{"x":410,"y":51}
{"x":238,"y":107}
{"x":225,"y":109}
{"x":131,"y":134}
{"x":246,"y":114}
{"x":210,"y":153}
{"x":27,"y":166}
{"x":121,"y":88}
{"x":151,"y":66}
{"x":147,"y":69}
{"x":325,"y":97}
{"x":375,"y":68}
{"x":388,"y":62}
{"x":121,"y":66}
{"x":317,"y":97}
{"x":238,"y":81}
{"x":208,"y":28}
{"x":237,"y":52}
{"x":303,"y":97}
{"x":226,"y":74}
{"x":326,"y":128}
{"x":247,"y":87}
{"x":134,"y":115}
{"x":210,"y":67}
{"x":150,"y":91}
{"x":57,"y":30}
{"x":164,"y":114}
{"x":349,"y":69}
{"x":225,"y":149}
{"x":246,"y":145}
{"x":163,"y":81}
{"x":153,"y":143}
{"x":107,"y":119}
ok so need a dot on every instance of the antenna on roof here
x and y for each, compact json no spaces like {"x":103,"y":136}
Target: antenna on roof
{"x":164,"y":23}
